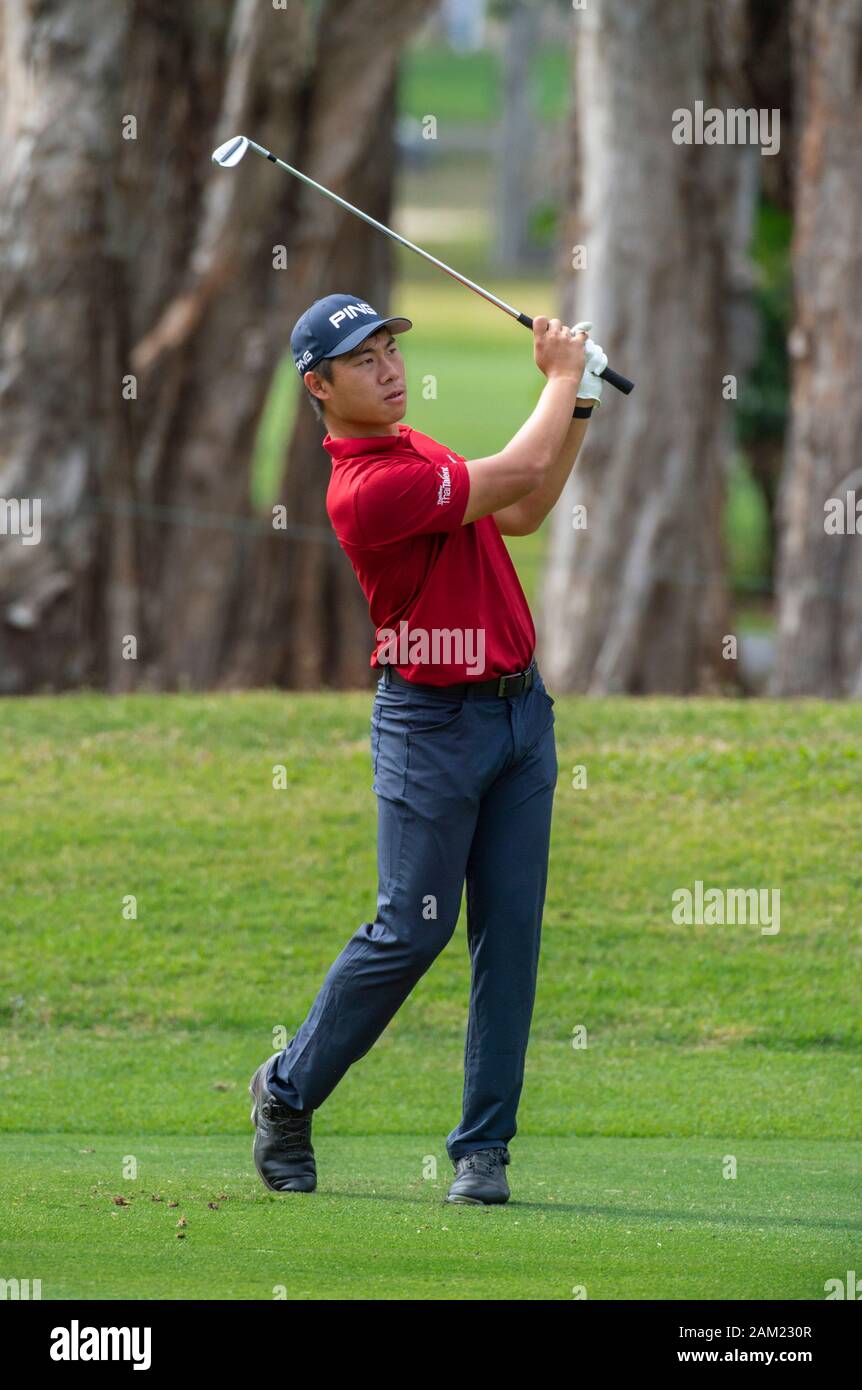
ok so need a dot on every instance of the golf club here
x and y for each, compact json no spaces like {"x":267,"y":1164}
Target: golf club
{"x":232,"y":151}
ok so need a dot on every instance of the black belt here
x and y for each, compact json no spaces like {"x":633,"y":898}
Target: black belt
{"x":504,"y":686}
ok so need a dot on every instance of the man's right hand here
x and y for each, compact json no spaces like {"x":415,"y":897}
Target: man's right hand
{"x":557,"y":351}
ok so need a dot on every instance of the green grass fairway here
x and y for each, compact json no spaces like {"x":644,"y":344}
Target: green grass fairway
{"x":134,"y":1040}
{"x":617,"y":1218}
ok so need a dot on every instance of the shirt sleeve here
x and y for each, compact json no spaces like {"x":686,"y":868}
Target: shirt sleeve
{"x":411,"y":499}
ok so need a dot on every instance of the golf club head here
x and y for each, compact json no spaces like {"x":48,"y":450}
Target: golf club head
{"x":231,"y":152}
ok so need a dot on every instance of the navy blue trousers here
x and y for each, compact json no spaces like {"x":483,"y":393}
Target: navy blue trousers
{"x":464,"y":793}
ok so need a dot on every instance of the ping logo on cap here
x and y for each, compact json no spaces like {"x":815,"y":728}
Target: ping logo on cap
{"x":350,"y":311}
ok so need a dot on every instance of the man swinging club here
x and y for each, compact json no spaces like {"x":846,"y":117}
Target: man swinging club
{"x":462,"y":728}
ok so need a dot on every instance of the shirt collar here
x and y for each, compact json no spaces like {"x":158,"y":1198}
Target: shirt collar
{"x":368,"y":444}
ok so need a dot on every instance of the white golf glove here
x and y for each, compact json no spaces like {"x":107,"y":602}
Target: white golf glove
{"x":596,"y":359}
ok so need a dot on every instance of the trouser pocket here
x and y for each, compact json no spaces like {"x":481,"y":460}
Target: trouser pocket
{"x":401,"y":720}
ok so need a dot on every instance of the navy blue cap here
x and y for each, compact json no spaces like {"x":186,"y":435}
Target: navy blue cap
{"x":335,"y":325}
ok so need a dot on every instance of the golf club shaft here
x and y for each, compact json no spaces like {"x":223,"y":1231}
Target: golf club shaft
{"x":613,"y":378}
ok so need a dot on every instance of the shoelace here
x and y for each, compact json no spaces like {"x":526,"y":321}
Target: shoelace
{"x":485,"y":1161}
{"x":291,"y":1129}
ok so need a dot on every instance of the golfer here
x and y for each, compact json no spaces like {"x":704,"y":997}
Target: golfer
{"x":462,"y":729}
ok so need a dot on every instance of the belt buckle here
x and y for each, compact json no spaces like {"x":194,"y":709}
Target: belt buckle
{"x":502,"y":684}
{"x":516,"y":676}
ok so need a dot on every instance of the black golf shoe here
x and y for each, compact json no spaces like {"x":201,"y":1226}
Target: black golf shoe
{"x":282,"y":1150}
{"x":480,"y":1177}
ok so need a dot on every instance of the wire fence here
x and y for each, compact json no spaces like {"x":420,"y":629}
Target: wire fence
{"x":226,"y":521}
{"x":528,"y":563}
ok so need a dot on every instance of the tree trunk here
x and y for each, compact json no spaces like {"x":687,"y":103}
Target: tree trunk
{"x":304,"y":617}
{"x":636,"y":602}
{"x":820,"y":574}
{"x":59,"y":130}
{"x":135,"y":263}
{"x":516,"y":139}
{"x":205,"y":342}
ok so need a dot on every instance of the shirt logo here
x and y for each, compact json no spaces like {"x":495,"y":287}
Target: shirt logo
{"x":444,"y":491}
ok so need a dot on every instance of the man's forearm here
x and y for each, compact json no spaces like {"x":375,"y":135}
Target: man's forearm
{"x":535,"y":506}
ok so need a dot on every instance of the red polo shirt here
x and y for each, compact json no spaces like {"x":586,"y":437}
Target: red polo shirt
{"x":444,"y":598}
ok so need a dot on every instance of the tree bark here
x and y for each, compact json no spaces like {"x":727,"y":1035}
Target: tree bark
{"x":516,"y":139}
{"x":327,"y":637}
{"x":206,"y":338}
{"x":61,"y":61}
{"x":142,"y":315}
{"x":636,"y":602}
{"x":820,"y":574}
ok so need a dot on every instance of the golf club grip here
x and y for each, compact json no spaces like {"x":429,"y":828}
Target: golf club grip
{"x":617,"y":379}
{"x":613,"y":378}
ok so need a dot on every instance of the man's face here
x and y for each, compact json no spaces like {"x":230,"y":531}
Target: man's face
{"x":365,"y":383}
